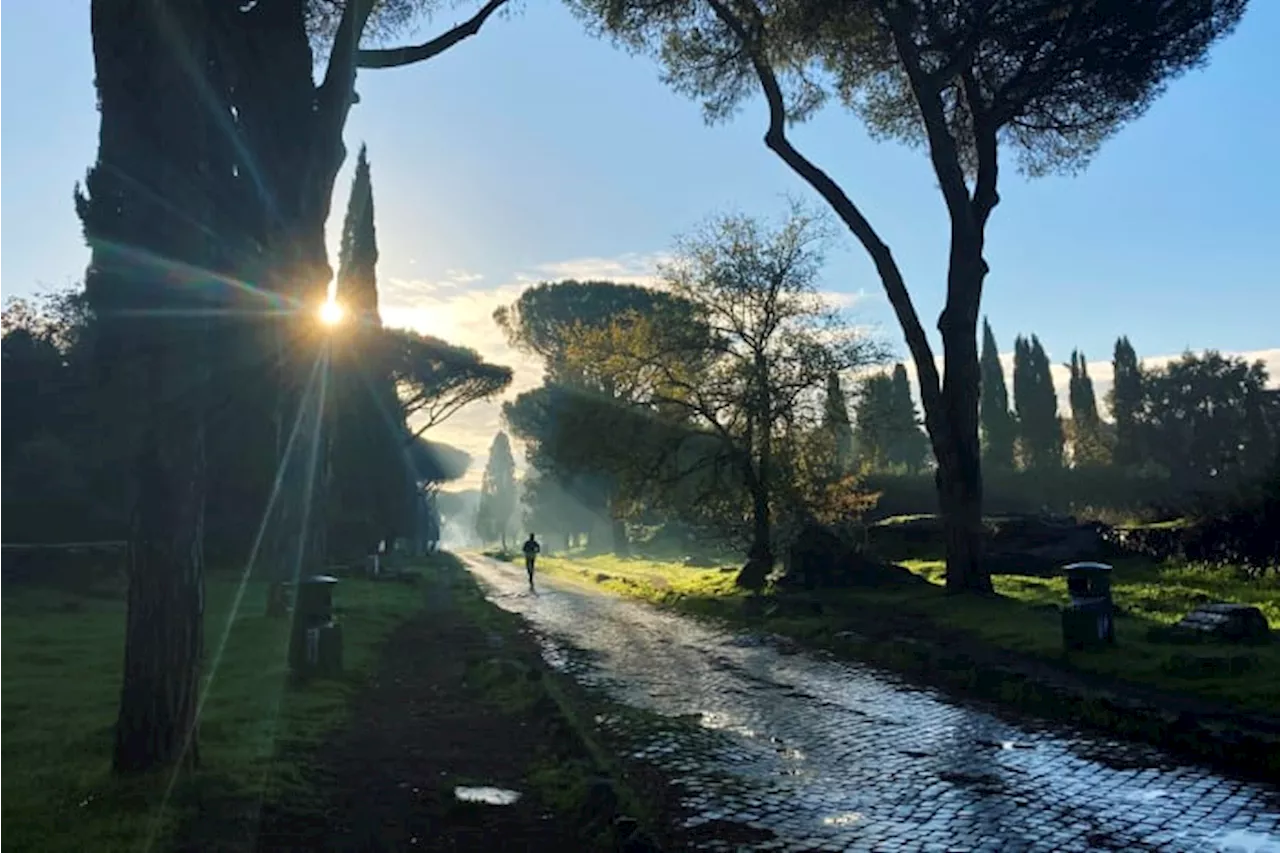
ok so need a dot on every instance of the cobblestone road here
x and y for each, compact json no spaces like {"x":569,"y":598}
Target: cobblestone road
{"x":803,"y":752}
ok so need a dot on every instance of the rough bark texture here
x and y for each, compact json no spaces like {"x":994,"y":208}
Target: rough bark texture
{"x":958,"y":447}
{"x":164,"y":634}
{"x":760,"y":557}
{"x":153,"y":159}
{"x":621,"y":542}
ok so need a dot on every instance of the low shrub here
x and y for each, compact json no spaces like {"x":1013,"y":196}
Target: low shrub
{"x":1105,"y":494}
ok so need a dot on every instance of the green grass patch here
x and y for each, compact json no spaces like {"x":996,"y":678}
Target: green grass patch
{"x":645,"y":578}
{"x":62,"y":657}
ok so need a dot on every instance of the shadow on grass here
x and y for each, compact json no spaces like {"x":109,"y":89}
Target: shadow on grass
{"x":62,"y":658}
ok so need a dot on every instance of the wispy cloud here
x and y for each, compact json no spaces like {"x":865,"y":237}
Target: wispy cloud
{"x":631,"y":268}
{"x":845,"y":300}
{"x":395,"y":292}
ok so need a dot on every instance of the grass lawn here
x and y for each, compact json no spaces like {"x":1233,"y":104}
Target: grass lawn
{"x":62,"y":660}
{"x":1024,"y":619}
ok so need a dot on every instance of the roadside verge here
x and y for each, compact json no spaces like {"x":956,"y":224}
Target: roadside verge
{"x":463,"y":703}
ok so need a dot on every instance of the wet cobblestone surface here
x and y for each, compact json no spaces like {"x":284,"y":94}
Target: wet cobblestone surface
{"x":801,"y":752}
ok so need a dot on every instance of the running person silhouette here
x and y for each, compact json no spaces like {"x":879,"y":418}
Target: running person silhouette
{"x":531,"y":551}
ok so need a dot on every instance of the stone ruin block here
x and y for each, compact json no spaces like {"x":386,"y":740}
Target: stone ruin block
{"x":1223,"y":621}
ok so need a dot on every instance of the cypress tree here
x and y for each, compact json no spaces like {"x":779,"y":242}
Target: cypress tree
{"x":1087,"y":444}
{"x":497,"y":491}
{"x":1022,"y":397}
{"x":887,"y":430}
{"x":873,"y":422}
{"x":1039,"y":428}
{"x":999,"y":429}
{"x":1126,"y":398}
{"x":374,"y":490}
{"x":909,"y":446}
{"x":358,"y":249}
{"x":836,"y":423}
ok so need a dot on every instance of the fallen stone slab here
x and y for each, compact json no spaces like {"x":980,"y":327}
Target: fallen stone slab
{"x":1226,"y":622}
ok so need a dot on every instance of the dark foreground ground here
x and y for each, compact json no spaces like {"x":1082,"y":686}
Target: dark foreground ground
{"x":461,"y":696}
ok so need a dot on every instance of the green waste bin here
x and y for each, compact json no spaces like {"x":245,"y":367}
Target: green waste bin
{"x":315,"y":643}
{"x":1088,"y":619}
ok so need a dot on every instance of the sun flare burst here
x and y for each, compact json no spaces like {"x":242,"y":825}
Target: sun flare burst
{"x":331,"y":313}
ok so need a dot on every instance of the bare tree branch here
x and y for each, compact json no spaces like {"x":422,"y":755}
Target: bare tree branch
{"x":985,"y":196}
{"x":398,"y":56}
{"x":890,"y":275}
{"x":337,"y":93}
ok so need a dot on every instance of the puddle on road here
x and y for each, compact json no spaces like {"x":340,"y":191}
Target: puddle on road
{"x":1243,"y":841}
{"x":846,"y":819}
{"x":488,"y":796}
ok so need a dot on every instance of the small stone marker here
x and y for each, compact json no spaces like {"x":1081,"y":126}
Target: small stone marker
{"x":1225,"y":621}
{"x":1088,"y":620}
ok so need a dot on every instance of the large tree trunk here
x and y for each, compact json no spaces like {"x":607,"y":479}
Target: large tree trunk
{"x":156,"y":156}
{"x":618,"y":526}
{"x":760,"y":556}
{"x":758,"y":474}
{"x":957,"y":446}
{"x":621,"y":543}
{"x":164,"y":634}
{"x":959,"y":479}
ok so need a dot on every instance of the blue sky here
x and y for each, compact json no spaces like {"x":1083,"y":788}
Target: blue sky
{"x":534,"y":150}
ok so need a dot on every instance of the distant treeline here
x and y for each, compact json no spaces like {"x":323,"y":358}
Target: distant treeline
{"x":1178,"y":435}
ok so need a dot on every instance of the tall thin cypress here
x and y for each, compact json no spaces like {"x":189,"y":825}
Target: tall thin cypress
{"x":1088,"y":446}
{"x":873,"y":419}
{"x":374,"y":487}
{"x":498,"y":491}
{"x":1126,"y":399}
{"x":358,"y":249}
{"x":1040,"y":435}
{"x":999,"y":428}
{"x":909,"y":446}
{"x":836,"y":422}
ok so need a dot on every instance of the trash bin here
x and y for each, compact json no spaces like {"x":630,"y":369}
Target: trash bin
{"x":1088,"y":620}
{"x":315,"y":644}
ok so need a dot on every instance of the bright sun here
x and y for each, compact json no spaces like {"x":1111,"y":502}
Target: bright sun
{"x":331,"y":313}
